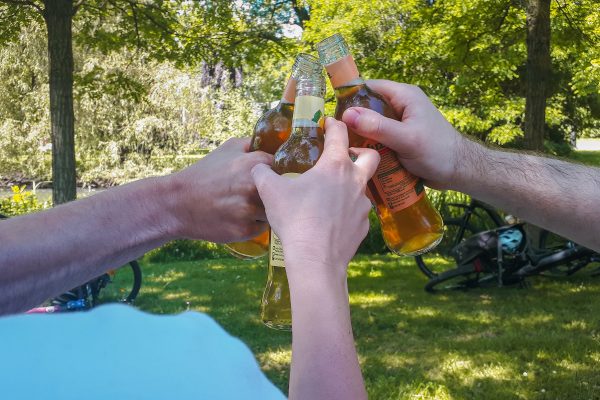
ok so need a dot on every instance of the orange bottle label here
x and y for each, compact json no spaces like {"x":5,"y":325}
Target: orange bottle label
{"x":342,"y":71}
{"x":289,"y":93}
{"x":398,"y":188}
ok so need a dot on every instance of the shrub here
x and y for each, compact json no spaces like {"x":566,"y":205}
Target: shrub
{"x":21,"y":202}
{"x":186,"y":250}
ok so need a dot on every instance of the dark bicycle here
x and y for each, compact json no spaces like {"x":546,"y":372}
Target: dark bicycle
{"x":503,"y":255}
{"x":461,"y":221}
{"x":122,"y":285}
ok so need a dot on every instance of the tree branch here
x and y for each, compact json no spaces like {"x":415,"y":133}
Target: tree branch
{"x":584,"y":36}
{"x":29,"y":3}
{"x":76,"y":6}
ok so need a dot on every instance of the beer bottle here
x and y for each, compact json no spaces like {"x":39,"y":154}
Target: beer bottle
{"x":297,"y":155}
{"x":271,"y":131}
{"x":409,"y":223}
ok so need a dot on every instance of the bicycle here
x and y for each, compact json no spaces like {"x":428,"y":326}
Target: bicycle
{"x":475,"y":217}
{"x":107,"y":287}
{"x":504,"y":256}
{"x":482,"y":259}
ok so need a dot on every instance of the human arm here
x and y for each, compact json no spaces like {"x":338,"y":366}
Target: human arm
{"x":321,"y":217}
{"x":557,"y":195}
{"x":47,"y":253}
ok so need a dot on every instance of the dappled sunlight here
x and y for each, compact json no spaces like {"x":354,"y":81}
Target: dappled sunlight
{"x":422,"y":312}
{"x":180,"y":295}
{"x":391,"y":361}
{"x":275,"y":358}
{"x":365,"y":299}
{"x":576,"y":325}
{"x":467,"y":371}
{"x":166,"y":277}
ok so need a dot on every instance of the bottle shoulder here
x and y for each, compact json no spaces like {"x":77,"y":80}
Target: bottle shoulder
{"x":298,"y":154}
{"x":361,"y":96}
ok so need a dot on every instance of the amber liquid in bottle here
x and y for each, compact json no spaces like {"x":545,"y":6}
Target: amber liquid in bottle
{"x":408,"y":231}
{"x":270,"y":132}
{"x":296,"y":156}
{"x":409,"y":223}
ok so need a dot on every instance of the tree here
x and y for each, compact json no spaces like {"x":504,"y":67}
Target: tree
{"x":472,"y":56}
{"x":538,"y":72}
{"x":180,"y":30}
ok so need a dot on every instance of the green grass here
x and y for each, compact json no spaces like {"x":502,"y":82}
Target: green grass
{"x":542,"y":342}
{"x":587,"y":157}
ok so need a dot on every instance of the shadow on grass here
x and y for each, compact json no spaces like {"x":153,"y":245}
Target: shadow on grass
{"x":541,"y":342}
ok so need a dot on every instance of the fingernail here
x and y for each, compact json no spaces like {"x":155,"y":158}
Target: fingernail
{"x":350,"y":117}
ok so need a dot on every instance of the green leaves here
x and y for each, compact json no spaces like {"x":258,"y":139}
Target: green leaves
{"x":469,"y":56}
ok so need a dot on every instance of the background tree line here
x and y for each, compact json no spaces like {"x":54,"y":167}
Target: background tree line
{"x":154,"y":84}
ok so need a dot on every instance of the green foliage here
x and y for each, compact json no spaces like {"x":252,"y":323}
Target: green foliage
{"x":373,"y":242}
{"x":135,"y":118}
{"x":21,"y":202}
{"x":469,"y":56}
{"x":186,"y":250}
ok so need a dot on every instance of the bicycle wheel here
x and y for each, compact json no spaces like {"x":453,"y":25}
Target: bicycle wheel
{"x":121,"y":285}
{"x":462,"y":277}
{"x":551,"y":242}
{"x":440,"y":259}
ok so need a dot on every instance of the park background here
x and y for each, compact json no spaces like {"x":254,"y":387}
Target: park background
{"x":145,"y":88}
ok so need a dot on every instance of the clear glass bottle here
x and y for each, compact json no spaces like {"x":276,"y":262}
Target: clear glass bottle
{"x":409,"y":223}
{"x":297,"y":155}
{"x":270,"y":132}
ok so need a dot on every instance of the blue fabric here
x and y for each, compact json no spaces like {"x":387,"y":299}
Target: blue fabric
{"x":118,"y":352}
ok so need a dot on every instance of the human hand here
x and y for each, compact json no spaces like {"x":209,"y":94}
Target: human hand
{"x":322,"y":215}
{"x":425,"y":142}
{"x":216,"y":199}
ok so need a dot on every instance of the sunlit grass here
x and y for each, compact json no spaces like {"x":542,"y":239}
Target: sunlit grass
{"x":542,"y":342}
{"x":589,"y":157}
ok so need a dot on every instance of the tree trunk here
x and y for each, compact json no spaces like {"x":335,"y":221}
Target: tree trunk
{"x":538,"y":72}
{"x":59,"y":17}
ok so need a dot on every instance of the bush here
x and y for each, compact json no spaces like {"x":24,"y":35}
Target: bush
{"x":373,"y":242}
{"x":186,"y":250}
{"x":21,"y":202}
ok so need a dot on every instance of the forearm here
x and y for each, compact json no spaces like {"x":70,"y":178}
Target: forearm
{"x":556,"y":195}
{"x":47,"y":253}
{"x":324,"y":360}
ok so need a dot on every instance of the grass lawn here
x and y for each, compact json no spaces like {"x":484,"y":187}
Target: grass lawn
{"x":542,"y":342}
{"x":587,"y":157}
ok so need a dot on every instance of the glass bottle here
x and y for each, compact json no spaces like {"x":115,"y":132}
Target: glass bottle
{"x":409,"y":223}
{"x":271,"y":131}
{"x":297,"y":155}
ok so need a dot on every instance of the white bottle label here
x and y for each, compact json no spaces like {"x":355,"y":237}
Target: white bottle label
{"x":276,"y":257}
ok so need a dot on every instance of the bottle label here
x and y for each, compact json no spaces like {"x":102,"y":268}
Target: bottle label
{"x":342,"y":71}
{"x":397,"y":187}
{"x":309,"y":111}
{"x":276,"y":258}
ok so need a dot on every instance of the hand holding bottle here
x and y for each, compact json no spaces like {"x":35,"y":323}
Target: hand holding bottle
{"x":321,"y":214}
{"x":425,"y":142}
{"x":215,"y":199}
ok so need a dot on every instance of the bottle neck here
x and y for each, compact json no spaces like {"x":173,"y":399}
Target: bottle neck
{"x":289,"y":93}
{"x":343,"y":72}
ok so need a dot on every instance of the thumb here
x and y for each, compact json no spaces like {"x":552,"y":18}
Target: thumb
{"x":375,"y":126}
{"x":264,"y":179}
